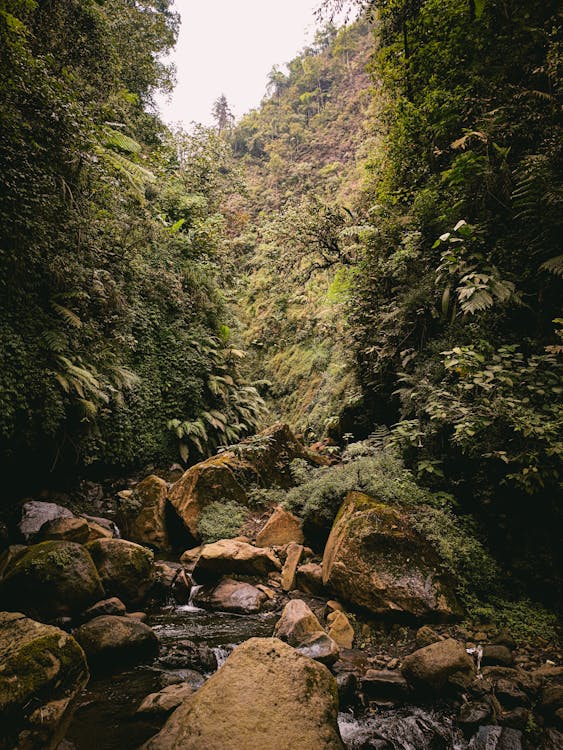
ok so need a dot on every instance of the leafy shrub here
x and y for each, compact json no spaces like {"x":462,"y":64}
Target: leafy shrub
{"x":221,"y":521}
{"x":525,"y":620}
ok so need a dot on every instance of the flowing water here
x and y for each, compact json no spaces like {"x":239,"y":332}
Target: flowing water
{"x":105,"y":718}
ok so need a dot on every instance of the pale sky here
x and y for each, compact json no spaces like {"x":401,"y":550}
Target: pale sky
{"x":230,"y":46}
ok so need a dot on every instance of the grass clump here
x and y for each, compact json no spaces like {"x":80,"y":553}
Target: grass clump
{"x":221,"y":521}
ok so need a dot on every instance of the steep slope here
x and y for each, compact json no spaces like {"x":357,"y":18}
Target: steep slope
{"x":301,"y":153}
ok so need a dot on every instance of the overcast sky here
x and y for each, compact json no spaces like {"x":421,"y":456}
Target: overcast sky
{"x":229,"y":46}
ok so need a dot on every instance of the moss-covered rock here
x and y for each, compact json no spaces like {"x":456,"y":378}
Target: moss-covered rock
{"x":265,"y":697}
{"x":142,"y":517}
{"x":111,"y":641}
{"x":264,"y":459}
{"x":42,"y":671}
{"x":375,"y":559}
{"x":125,"y":568}
{"x":51,"y":579}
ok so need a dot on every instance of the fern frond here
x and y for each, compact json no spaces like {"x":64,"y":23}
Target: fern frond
{"x":554,"y":265}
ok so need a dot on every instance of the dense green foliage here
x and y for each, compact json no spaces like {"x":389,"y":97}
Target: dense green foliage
{"x":300,"y":153}
{"x":110,"y":230}
{"x":457,"y":294}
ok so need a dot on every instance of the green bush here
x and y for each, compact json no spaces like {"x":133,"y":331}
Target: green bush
{"x":221,"y":521}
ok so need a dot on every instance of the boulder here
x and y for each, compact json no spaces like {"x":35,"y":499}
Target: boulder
{"x":384,"y":685}
{"x":498,"y":655}
{"x":142,"y":516}
{"x":309,"y":579}
{"x":375,"y":559}
{"x":497,"y":738}
{"x":110,"y":641}
{"x":426,"y":636}
{"x":101,"y":528}
{"x":296,"y":623}
{"x":43,"y":670}
{"x":126,"y":569}
{"x":35,"y":513}
{"x":265,"y":697}
{"x":51,"y":579}
{"x":231,"y":596}
{"x":185,"y":654}
{"x":294,"y":554}
{"x":65,"y":529}
{"x":340,"y":629}
{"x":320,"y":647}
{"x":111,"y":606}
{"x":263,"y":459}
{"x":190,"y":558}
{"x":440,"y":666}
{"x":282,"y":527}
{"x":165,"y":701}
{"x":215,"y":480}
{"x":227,"y":557}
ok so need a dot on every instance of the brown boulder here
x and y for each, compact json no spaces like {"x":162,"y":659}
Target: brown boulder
{"x":375,"y":559}
{"x":165,"y":701}
{"x":110,"y":641}
{"x":309,"y":579}
{"x":292,"y":560}
{"x":296,"y":623}
{"x":227,"y":557}
{"x":111,"y":606}
{"x":43,"y":670}
{"x":441,"y":665}
{"x":143,"y":514}
{"x":65,"y":529}
{"x":126,"y":568}
{"x":265,"y":697}
{"x":340,"y":629}
{"x":282,"y":527}
{"x":263,"y":459}
{"x":231,"y":596}
{"x":51,"y":579}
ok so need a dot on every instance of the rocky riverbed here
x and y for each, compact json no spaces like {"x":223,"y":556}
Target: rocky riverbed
{"x":253,"y":642}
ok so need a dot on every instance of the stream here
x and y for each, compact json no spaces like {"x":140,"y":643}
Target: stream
{"x":105,"y":717}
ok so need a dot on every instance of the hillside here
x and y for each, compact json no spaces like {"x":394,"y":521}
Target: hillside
{"x":302,"y":154}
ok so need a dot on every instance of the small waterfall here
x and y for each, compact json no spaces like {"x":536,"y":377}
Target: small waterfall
{"x":402,"y":729}
{"x":221,"y":654}
{"x":190,"y":606}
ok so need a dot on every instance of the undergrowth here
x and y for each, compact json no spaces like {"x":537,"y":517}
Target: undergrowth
{"x":221,"y":521}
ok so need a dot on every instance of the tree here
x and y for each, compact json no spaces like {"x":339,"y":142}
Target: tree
{"x":222,"y":114}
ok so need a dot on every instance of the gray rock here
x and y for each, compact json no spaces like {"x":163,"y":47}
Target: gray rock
{"x":35,"y":513}
{"x":320,"y":647}
{"x":231,"y":596}
{"x":496,"y":738}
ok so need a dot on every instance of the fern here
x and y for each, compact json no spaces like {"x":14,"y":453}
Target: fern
{"x":554,"y":266}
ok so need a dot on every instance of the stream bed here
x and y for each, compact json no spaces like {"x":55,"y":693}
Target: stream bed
{"x":105,"y":717}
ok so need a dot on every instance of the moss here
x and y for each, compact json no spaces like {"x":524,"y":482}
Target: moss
{"x":221,"y":521}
